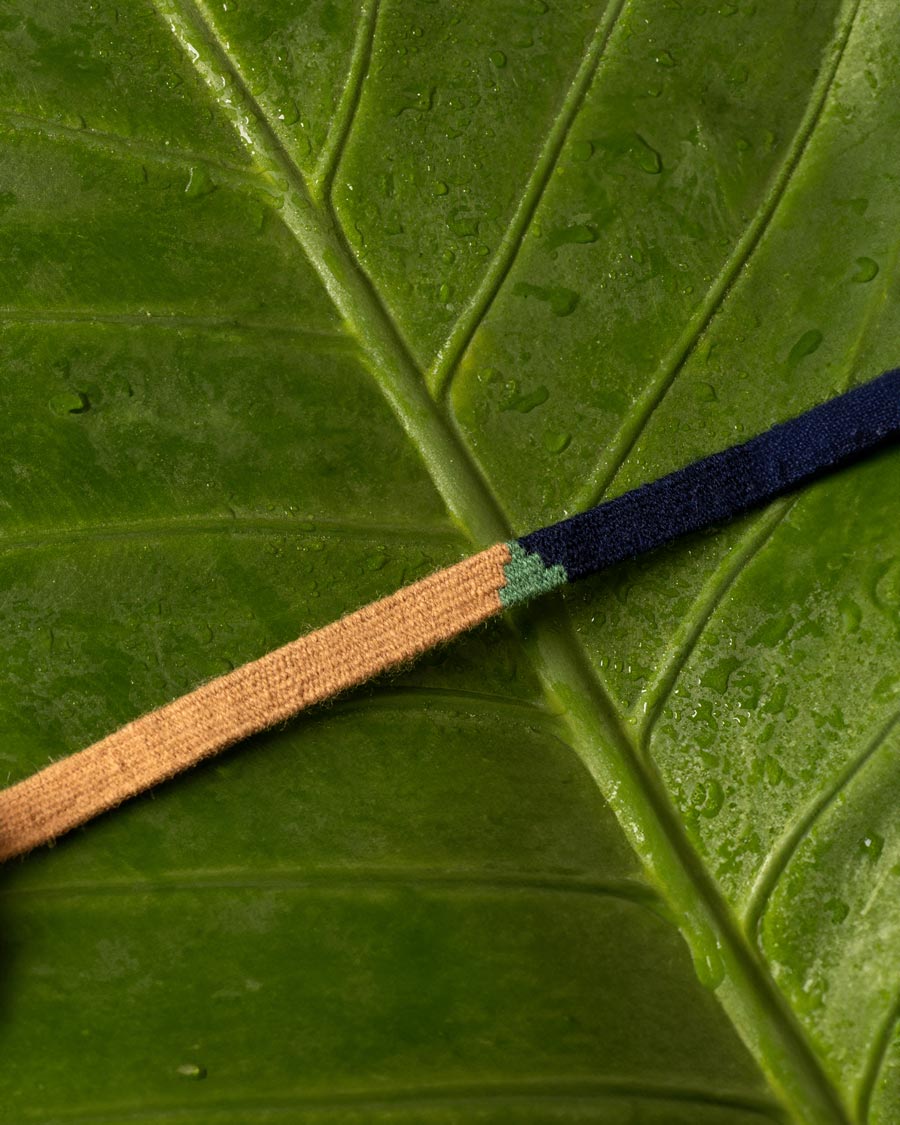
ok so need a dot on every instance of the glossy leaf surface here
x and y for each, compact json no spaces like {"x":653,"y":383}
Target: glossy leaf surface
{"x":302,"y":299}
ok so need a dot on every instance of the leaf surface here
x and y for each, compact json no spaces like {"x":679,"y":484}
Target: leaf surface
{"x":302,"y":300}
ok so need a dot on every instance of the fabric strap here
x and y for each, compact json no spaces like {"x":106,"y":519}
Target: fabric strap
{"x":250,"y":699}
{"x":397,"y":628}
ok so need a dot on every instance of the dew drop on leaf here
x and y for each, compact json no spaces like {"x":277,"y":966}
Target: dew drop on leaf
{"x":70,"y":402}
{"x":200,"y":183}
{"x":556,"y":442}
{"x":873,"y":845}
{"x":646,"y":157}
{"x":851,"y":615}
{"x":719,"y":674}
{"x":581,"y":234}
{"x":866,"y":270}
{"x":525,"y":403}
{"x":709,"y":967}
{"x":807,"y":344}
{"x":192,"y":1071}
{"x":705,"y":392}
{"x":562,"y":301}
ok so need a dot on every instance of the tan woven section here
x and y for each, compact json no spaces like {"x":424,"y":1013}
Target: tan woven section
{"x":249,"y":699}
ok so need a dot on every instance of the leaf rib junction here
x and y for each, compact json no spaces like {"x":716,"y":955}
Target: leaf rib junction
{"x":605,"y":472}
{"x":628,"y":783}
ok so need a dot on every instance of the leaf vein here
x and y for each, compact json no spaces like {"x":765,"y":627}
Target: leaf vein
{"x":326,"y":341}
{"x":457,"y":476}
{"x":691,"y":629}
{"x":116,"y":145}
{"x":874,"y":1063}
{"x":348,"y":105}
{"x":442,"y":370}
{"x":339,"y":881}
{"x":571,"y":1091}
{"x":777,"y":861}
{"x":599,"y":480}
{"x":234,"y":526}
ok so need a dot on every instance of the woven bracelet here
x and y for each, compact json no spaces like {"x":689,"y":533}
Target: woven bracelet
{"x":399,"y":627}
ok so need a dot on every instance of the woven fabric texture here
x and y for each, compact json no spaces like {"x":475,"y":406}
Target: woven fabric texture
{"x":399,"y":627}
{"x":250,"y":699}
{"x":722,"y":486}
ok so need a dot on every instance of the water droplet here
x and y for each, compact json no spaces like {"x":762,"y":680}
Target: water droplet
{"x":462,"y":223}
{"x":738,"y":75}
{"x":707,"y":798}
{"x":851,"y":615}
{"x":836,"y":909}
{"x":498,"y":58}
{"x":727,"y":9}
{"x":866,"y":269}
{"x":718,"y":676}
{"x":448,"y":257}
{"x":444,"y":293}
{"x":70,"y":402}
{"x":705,"y":392}
{"x":873,"y":845}
{"x":775,"y":704}
{"x":440,"y":188}
{"x":581,"y":151}
{"x":886,"y":689}
{"x":580,"y":233}
{"x":709,"y":967}
{"x":646,"y":157}
{"x":290,"y":114}
{"x":418,"y":100}
{"x":525,"y":403}
{"x":807,"y":344}
{"x":200,"y":183}
{"x":664,"y":58}
{"x":376,"y":560}
{"x":556,"y":442}
{"x":637,"y":255}
{"x":191,"y":1070}
{"x":562,"y":301}
{"x":773,"y":630}
{"x":885,"y":585}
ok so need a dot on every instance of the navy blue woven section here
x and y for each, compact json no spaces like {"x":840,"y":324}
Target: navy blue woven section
{"x":725,"y":484}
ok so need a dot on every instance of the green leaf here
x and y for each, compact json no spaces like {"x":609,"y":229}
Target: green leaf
{"x":301,"y":300}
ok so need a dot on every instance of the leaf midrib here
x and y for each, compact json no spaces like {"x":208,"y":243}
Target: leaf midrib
{"x":757,"y":1008}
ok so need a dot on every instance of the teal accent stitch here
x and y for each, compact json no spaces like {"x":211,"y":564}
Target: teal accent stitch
{"x":526,"y":576}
